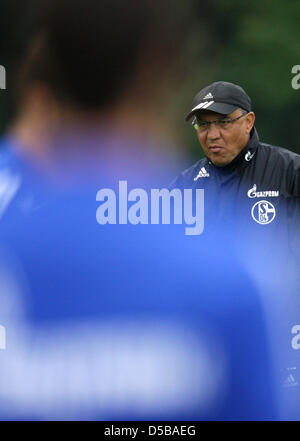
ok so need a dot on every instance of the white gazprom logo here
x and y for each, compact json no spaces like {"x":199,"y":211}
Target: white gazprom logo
{"x":263,"y":212}
{"x":202,"y":174}
{"x":252,"y":193}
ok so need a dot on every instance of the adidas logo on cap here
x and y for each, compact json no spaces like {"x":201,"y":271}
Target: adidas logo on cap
{"x":208,"y":96}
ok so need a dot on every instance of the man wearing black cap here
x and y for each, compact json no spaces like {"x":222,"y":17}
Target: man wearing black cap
{"x":224,"y":121}
{"x":252,"y":209}
{"x":234,"y":117}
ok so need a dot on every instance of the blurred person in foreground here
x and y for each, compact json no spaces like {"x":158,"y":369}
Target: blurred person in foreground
{"x":113,"y":320}
{"x":253,"y":190}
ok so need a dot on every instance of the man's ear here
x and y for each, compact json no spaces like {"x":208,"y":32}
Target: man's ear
{"x":250,"y":118}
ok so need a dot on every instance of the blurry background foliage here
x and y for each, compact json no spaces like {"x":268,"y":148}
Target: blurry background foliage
{"x":254,"y":44}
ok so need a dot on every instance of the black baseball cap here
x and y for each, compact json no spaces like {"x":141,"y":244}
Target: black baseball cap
{"x":220,"y":97}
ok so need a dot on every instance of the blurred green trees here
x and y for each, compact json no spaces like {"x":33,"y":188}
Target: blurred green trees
{"x":253,"y":44}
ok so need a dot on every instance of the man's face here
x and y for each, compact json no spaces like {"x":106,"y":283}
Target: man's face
{"x":222,"y":144}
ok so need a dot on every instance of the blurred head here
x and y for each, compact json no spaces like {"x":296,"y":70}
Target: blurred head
{"x":80,"y":51}
{"x":222,"y":137}
{"x":94,"y":60}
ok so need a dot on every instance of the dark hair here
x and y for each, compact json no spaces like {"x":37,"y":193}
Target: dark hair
{"x":88,"y":50}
